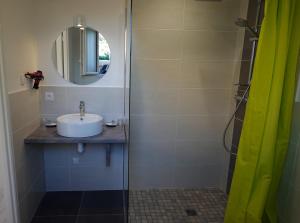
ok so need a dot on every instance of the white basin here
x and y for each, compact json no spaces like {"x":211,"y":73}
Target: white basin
{"x":72,"y":126}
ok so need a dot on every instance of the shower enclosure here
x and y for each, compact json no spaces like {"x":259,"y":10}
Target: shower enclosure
{"x":186,"y":57}
{"x":289,"y":195}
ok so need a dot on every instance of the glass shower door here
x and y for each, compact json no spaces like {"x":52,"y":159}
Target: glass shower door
{"x":289,"y":211}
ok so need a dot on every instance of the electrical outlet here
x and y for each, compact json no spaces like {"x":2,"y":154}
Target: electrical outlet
{"x":49,"y":96}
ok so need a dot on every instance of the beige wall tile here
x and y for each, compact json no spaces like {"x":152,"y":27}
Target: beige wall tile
{"x":148,"y":128}
{"x":155,"y":74}
{"x":152,"y":153}
{"x":200,"y":127}
{"x":210,"y":3}
{"x":158,"y":44}
{"x":97,"y":100}
{"x":147,"y":177}
{"x":160,"y":101}
{"x":28,"y":174}
{"x":171,"y":19}
{"x":29,"y":159}
{"x":24,"y":108}
{"x":219,"y":15}
{"x":181,"y":88}
{"x":198,"y":152}
{"x":187,"y":176}
{"x":156,"y":4}
{"x":197,"y":74}
{"x":59,"y":105}
{"x":237,"y":71}
{"x":22,"y":151}
{"x":209,"y":45}
{"x":244,"y":8}
{"x":204,"y":102}
{"x":239,"y":48}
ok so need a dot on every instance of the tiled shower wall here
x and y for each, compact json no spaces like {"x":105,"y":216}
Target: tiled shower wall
{"x":29,"y":159}
{"x":185,"y":54}
{"x":65,"y":169}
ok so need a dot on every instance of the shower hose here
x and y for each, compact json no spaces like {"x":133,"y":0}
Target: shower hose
{"x":243,"y":98}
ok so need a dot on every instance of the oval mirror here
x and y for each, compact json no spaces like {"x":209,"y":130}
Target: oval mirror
{"x":81,"y":55}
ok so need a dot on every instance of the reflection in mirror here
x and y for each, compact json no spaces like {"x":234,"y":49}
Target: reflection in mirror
{"x":82,"y":55}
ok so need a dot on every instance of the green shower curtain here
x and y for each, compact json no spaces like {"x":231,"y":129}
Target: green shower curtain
{"x":265,"y":135}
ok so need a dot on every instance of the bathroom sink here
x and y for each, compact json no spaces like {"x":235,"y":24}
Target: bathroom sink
{"x":72,"y":125}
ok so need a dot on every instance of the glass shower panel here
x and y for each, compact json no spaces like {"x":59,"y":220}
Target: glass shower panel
{"x":127,"y":107}
{"x":185,"y":54}
{"x":289,"y":196}
{"x":183,"y":64}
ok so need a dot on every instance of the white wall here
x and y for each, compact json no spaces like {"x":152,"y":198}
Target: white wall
{"x":29,"y":159}
{"x":6,"y":199}
{"x":19,"y":45}
{"x":19,"y":55}
{"x":6,"y":212}
{"x":108,"y":17}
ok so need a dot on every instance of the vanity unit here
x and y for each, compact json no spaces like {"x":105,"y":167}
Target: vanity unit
{"x":109,"y":137}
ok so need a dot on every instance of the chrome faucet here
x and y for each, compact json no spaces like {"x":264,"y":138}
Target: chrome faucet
{"x":82,"y":109}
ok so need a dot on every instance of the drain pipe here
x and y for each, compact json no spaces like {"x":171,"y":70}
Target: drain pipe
{"x":80,"y":148}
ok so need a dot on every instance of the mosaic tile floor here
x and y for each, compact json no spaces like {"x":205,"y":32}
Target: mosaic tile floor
{"x":177,"y":206}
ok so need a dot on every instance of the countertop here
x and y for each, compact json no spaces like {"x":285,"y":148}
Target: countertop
{"x":44,"y":135}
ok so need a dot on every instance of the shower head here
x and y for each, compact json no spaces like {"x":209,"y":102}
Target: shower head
{"x":244,"y":24}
